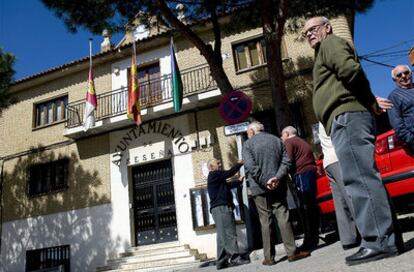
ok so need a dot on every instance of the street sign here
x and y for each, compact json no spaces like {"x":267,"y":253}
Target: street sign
{"x":235,"y":107}
{"x":235,"y":128}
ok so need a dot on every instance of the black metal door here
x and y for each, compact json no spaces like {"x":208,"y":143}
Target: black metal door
{"x":154,"y":204}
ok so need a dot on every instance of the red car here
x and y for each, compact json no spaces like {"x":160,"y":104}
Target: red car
{"x":396,"y":165}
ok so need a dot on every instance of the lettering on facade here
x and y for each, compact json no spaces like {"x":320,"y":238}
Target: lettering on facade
{"x":155,"y":127}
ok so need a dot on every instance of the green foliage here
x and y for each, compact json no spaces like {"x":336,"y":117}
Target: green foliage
{"x":6,"y":76}
{"x":96,"y":15}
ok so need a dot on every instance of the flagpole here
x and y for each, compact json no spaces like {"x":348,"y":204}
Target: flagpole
{"x":90,"y":53}
{"x":91,"y":101}
{"x":135,"y":50}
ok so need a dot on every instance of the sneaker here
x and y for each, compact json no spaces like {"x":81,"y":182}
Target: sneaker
{"x":298,"y":255}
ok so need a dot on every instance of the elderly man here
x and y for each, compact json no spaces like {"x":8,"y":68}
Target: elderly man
{"x":304,"y":177}
{"x":221,"y":208}
{"x":267,"y":164}
{"x":343,"y":103}
{"x":402,"y":114}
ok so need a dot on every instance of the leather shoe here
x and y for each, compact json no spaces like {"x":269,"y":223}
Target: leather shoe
{"x":222,"y":265}
{"x":298,"y":255}
{"x":238,"y":261}
{"x":268,"y":262}
{"x":364,"y":255}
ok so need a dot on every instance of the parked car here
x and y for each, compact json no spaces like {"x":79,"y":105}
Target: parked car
{"x":395,"y":162}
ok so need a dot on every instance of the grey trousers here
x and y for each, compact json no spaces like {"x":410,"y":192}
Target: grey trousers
{"x":226,"y":233}
{"x":353,"y":136}
{"x":268,"y":204}
{"x":344,"y":211}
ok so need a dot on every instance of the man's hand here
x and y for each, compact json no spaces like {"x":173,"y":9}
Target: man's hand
{"x":384,"y":103}
{"x":240,"y":162}
{"x":272,"y":183}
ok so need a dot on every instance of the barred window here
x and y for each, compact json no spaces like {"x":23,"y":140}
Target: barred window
{"x":49,"y":259}
{"x":50,"y":112}
{"x":48,"y":177}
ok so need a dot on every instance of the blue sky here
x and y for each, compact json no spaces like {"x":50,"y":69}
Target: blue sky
{"x":40,"y":41}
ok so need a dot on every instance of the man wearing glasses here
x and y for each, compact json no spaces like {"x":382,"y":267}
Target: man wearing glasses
{"x":343,"y":103}
{"x":402,"y":114}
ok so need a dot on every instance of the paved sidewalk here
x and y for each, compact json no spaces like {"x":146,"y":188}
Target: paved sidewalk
{"x":330,"y":258}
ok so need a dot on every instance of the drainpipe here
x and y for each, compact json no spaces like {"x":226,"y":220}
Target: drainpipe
{"x":1,"y":203}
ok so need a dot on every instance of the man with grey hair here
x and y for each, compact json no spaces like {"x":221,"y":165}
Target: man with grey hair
{"x":267,"y":163}
{"x":401,"y":116}
{"x":344,"y":104}
{"x":303,"y":173}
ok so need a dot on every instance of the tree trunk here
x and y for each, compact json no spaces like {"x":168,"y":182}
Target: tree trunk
{"x":213,"y":57}
{"x":273,"y":32}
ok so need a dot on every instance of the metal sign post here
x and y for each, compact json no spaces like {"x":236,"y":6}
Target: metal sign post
{"x":235,"y":108}
{"x":248,"y":223}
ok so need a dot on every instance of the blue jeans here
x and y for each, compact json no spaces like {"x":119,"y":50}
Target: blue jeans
{"x":353,"y":136}
{"x":306,"y":191}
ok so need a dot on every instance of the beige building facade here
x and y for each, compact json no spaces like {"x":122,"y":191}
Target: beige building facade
{"x":93,"y":195}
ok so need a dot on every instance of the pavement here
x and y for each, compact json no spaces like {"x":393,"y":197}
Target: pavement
{"x":329,"y":256}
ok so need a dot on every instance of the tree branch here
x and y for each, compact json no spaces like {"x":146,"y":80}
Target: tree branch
{"x":211,"y":7}
{"x":205,"y":50}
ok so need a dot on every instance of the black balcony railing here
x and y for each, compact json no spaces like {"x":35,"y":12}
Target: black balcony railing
{"x":152,"y":92}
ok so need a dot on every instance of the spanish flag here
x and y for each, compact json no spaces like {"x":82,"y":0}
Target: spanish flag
{"x":134,"y":108}
{"x":91,"y":101}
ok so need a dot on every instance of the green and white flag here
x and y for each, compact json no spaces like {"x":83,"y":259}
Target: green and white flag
{"x":176,"y":82}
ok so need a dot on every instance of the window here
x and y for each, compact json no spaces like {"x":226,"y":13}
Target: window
{"x":48,"y":177}
{"x":48,"y":259}
{"x":50,"y":112}
{"x":252,"y":53}
{"x":200,"y":207}
{"x":249,"y":54}
{"x":149,"y":82}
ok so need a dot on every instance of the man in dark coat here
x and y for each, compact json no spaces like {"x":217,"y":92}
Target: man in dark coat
{"x":267,"y":164}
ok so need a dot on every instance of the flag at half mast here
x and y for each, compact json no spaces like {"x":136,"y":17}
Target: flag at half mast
{"x":134,"y":107}
{"x":176,"y":82}
{"x":91,"y":101}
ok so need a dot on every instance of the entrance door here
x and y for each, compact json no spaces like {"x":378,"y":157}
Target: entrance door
{"x":154,"y":203}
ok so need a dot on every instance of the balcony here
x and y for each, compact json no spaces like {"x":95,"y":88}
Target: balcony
{"x":199,"y":89}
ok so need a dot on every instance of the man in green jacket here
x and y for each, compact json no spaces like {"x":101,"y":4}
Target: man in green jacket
{"x":344,"y":104}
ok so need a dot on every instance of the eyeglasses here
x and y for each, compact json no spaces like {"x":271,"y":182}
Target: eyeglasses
{"x":400,"y":74}
{"x":312,"y":29}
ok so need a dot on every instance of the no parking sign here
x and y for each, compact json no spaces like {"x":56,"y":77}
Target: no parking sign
{"x":235,"y":107}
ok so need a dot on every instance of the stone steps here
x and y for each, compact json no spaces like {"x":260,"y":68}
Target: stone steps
{"x":160,"y":257}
